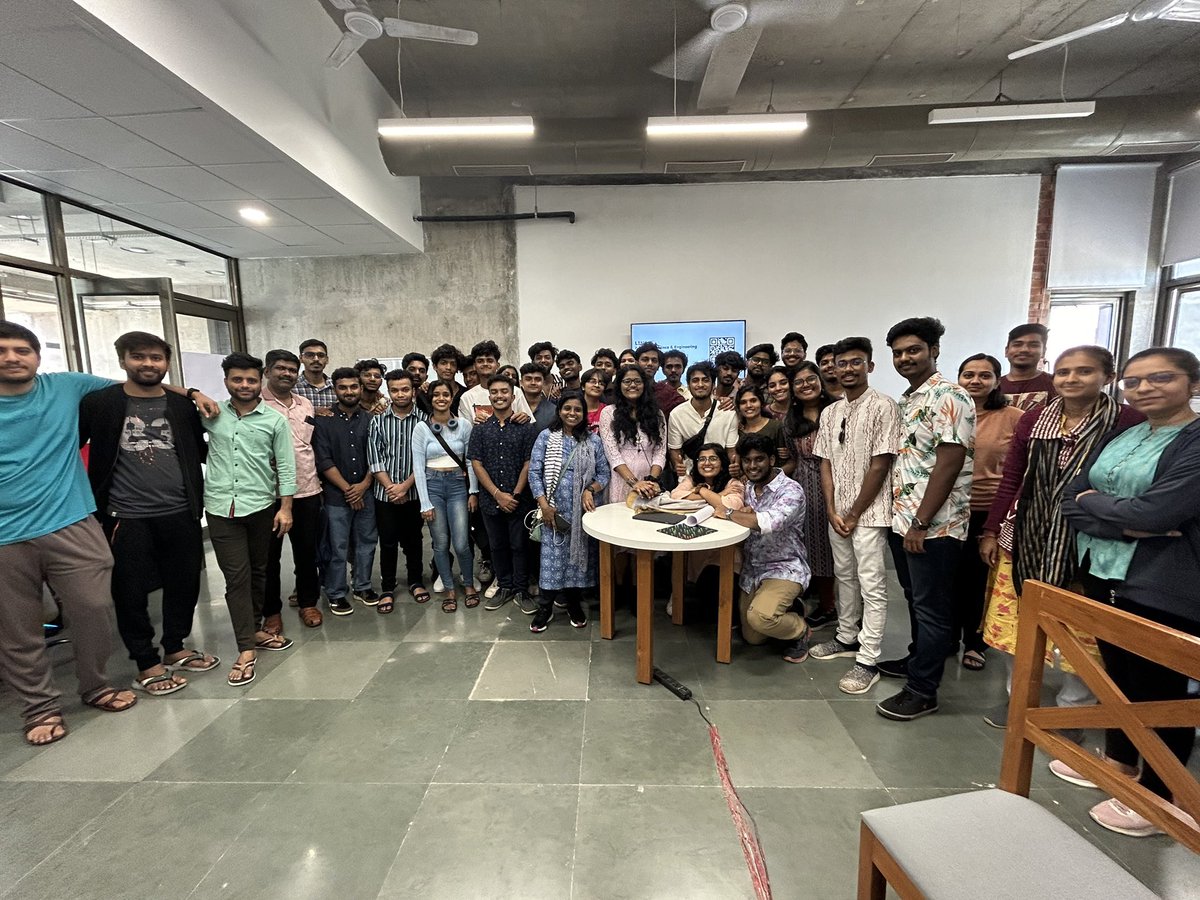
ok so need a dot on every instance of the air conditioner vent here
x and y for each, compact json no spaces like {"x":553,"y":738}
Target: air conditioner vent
{"x":909,"y":159}
{"x":704,"y":167}
{"x":1149,"y":148}
{"x":494,"y":171}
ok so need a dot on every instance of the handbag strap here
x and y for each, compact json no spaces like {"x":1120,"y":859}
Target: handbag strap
{"x":459,"y":461}
{"x":703,"y":432}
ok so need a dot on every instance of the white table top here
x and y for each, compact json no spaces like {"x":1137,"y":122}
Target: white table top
{"x":614,"y":524}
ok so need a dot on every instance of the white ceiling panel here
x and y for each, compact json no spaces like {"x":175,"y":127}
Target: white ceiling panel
{"x":200,"y":137}
{"x":110,"y":186}
{"x":24,"y":98}
{"x":181,"y":215}
{"x":27,"y":152}
{"x":101,"y":140}
{"x":272,"y":181}
{"x":295,"y":235}
{"x":322,"y":211}
{"x":239,"y":239}
{"x":189,"y":182}
{"x":357,"y":234}
{"x":229,"y":209}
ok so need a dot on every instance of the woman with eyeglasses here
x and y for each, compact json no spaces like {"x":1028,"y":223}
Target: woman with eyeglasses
{"x":1025,"y":535}
{"x":634,"y":434}
{"x":800,"y":427}
{"x":595,"y":387}
{"x":447,"y":490}
{"x":779,"y":393}
{"x":1134,"y":506}
{"x":567,"y":469}
{"x":995,"y":422}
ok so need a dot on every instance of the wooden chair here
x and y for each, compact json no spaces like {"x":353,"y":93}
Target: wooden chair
{"x":999,"y":843}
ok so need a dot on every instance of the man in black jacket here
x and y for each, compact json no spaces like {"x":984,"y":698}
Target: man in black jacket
{"x":147,"y":445}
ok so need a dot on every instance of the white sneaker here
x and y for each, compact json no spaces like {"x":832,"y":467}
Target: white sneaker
{"x":670,"y":607}
{"x":476,"y":584}
{"x":492,"y":589}
{"x":438,"y":586}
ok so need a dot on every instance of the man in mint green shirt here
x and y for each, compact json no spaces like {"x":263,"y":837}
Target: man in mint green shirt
{"x":250,"y":463}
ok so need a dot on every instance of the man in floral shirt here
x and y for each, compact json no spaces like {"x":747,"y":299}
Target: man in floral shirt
{"x":931,"y":493}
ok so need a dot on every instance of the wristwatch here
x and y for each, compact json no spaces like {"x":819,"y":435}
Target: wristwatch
{"x":191,"y":391}
{"x":918,"y":525}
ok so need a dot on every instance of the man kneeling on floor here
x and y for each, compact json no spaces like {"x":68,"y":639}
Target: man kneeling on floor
{"x":774,"y":563}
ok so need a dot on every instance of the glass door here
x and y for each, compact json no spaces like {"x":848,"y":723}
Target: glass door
{"x":109,"y":307}
{"x":204,"y":341}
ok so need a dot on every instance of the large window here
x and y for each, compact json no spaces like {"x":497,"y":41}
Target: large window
{"x":23,"y":231}
{"x":1077,"y":319}
{"x":30,"y":299}
{"x":1183,"y":306}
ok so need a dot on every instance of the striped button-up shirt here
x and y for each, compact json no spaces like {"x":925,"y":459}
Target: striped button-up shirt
{"x":389,"y":447}
{"x":776,"y":550}
{"x":250,"y":460}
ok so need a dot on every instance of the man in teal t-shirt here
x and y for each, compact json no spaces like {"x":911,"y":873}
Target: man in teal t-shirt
{"x":48,"y":535}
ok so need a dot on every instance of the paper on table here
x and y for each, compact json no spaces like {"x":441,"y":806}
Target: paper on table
{"x":700,"y":515}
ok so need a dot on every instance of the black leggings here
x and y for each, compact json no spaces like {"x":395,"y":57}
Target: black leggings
{"x":970,"y":585}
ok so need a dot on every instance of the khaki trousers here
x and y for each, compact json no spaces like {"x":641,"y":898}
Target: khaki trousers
{"x":765,"y":613}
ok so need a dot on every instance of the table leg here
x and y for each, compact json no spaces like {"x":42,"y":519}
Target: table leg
{"x":606,"y":591}
{"x":725,"y":607}
{"x":678,"y":579}
{"x":645,"y":615}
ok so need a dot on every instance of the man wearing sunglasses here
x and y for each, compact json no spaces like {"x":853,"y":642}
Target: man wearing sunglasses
{"x":857,"y":442}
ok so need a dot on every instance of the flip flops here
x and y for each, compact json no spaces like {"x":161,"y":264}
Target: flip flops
{"x":183,"y":664}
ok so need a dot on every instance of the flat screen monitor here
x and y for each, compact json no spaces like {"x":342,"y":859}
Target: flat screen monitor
{"x":699,"y":340}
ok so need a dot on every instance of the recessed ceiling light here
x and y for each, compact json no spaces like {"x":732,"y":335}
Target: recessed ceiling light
{"x":253,"y":214}
{"x":135,"y":249}
{"x":213,"y":272}
{"x":23,"y":216}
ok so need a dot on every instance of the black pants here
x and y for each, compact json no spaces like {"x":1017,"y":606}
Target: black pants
{"x":1141,"y":681}
{"x":304,"y":536}
{"x":162,"y":551}
{"x":507,"y":537}
{"x":399,"y":526}
{"x":564,"y":595}
{"x":479,"y":536}
{"x":242,"y":545}
{"x":970,"y":585}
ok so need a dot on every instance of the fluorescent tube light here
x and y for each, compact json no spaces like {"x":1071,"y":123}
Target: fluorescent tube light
{"x":707,"y":126}
{"x":479,"y":126}
{"x":1070,"y":36}
{"x":1011,"y":112}
{"x":253,"y":214}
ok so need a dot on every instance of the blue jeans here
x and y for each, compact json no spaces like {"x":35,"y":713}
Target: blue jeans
{"x":448,"y":494}
{"x":928,"y":582}
{"x":340,"y":522}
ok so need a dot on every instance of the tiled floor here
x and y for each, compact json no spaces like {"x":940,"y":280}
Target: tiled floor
{"x":427,"y":755}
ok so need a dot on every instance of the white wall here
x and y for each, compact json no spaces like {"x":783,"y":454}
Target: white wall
{"x":828,"y":259}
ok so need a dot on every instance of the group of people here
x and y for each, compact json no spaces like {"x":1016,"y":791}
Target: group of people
{"x":970,"y":485}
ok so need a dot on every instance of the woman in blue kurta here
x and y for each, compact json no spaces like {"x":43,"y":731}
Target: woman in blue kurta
{"x":566,"y":471}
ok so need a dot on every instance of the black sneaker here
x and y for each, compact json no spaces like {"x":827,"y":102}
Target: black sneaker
{"x":893,"y":668}
{"x":576,"y":613}
{"x":497,"y":599}
{"x":559,"y":603}
{"x":906,"y":705}
{"x":341,"y":606}
{"x":367,"y":597}
{"x":821,"y":619}
{"x":542,"y":620}
{"x":998,"y":717}
{"x":797,"y":651}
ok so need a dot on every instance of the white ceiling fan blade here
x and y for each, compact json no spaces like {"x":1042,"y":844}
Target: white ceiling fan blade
{"x":1183,"y":11}
{"x":343,"y":4}
{"x":402,"y":28}
{"x":1070,"y":36}
{"x":726,"y":67}
{"x":693,"y":58}
{"x":347,"y":47}
{"x":781,"y":12}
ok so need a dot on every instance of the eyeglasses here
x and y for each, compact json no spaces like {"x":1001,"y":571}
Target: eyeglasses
{"x":708,"y":459}
{"x":842,"y":433}
{"x":1156,"y":378}
{"x":806,"y":382}
{"x":856,"y":363}
{"x":765,"y":360}
{"x":600,"y":381}
{"x":631,"y":382}
{"x":314,"y":356}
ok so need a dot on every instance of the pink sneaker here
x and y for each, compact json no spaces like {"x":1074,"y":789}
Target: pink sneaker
{"x":1116,"y":816}
{"x":1066,"y":773}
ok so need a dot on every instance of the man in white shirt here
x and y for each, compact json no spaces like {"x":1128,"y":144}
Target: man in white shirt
{"x":476,"y":404}
{"x":689,"y":419}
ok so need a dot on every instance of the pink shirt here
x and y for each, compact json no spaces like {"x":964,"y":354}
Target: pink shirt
{"x":301,"y":419}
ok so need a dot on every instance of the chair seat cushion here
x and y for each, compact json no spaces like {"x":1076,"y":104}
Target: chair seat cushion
{"x":994,"y":844}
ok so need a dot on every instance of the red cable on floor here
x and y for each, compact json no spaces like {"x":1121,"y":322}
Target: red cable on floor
{"x":756,"y":861}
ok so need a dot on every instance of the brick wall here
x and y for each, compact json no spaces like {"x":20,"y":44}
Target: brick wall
{"x":1039,"y":296}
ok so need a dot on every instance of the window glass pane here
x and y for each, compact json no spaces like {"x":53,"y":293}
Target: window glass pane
{"x":29,"y":299}
{"x":203,"y":343}
{"x":1186,"y":269}
{"x":104,"y":246}
{"x":107,"y":318}
{"x":1083,"y":322}
{"x":23,"y":224}
{"x":1187,"y":321}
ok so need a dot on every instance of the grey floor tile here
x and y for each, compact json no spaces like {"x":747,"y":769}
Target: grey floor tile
{"x":255,"y":740}
{"x":613,"y":673}
{"x":417,"y":671}
{"x":515,"y":742}
{"x":942,"y":750}
{"x":382,"y":741}
{"x":36,"y":818}
{"x":364,"y":625}
{"x":516,"y":628}
{"x":755,"y":673}
{"x":545,"y":670}
{"x":124,"y":746}
{"x":646,"y":742}
{"x":464,"y":625}
{"x":484,"y":841}
{"x":158,"y":840}
{"x":315,"y":840}
{"x":665,"y":631}
{"x":824,"y":865}
{"x":666,"y":841}
{"x":789,"y":743}
{"x":334,"y":670}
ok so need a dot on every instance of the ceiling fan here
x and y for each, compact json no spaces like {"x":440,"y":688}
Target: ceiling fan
{"x":1173,"y":10}
{"x":717,"y":57}
{"x":362,"y":25}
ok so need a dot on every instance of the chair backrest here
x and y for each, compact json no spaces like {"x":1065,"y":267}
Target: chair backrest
{"x":1058,"y":615}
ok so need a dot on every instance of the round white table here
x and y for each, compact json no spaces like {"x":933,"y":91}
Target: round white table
{"x":613,"y":525}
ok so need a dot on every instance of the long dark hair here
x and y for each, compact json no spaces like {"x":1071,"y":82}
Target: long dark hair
{"x":750,"y":388}
{"x":996,"y":399}
{"x":722,"y":479}
{"x":580,"y":433}
{"x":627,"y":417}
{"x":796,"y":425}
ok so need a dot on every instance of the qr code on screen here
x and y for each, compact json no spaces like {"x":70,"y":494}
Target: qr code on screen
{"x":720,"y":345}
